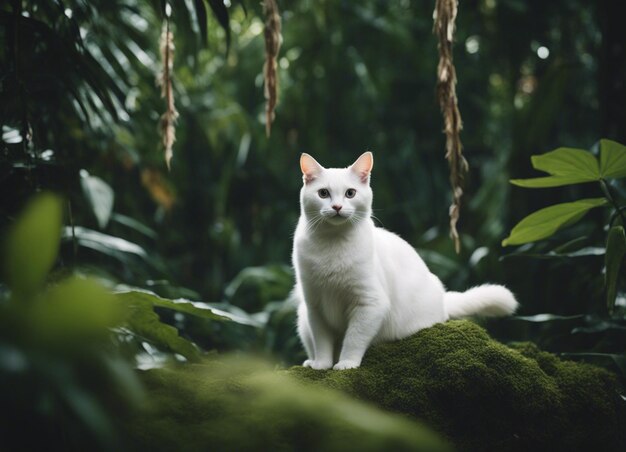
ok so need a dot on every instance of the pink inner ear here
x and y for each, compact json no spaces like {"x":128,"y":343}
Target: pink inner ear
{"x":310,"y":168}
{"x":363,"y":166}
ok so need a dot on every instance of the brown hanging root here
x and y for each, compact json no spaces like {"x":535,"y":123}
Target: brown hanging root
{"x":168,"y":119}
{"x":273,"y":40}
{"x":444,"y":17}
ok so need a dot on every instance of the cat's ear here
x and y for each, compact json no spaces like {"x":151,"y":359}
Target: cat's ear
{"x":363,"y":166}
{"x":310,"y":168}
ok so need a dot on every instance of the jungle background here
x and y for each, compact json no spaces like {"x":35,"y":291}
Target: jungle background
{"x":80,"y":113}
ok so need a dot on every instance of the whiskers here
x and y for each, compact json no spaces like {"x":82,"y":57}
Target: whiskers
{"x":314,"y":222}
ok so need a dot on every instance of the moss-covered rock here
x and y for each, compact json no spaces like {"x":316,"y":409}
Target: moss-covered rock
{"x":486,"y":396}
{"x":232,"y":405}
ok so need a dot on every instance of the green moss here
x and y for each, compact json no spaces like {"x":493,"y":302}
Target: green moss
{"x":232,"y":405}
{"x":484,"y":395}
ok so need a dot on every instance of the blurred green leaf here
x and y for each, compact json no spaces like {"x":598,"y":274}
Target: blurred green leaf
{"x":33,"y":243}
{"x":539,"y":318}
{"x":100,"y":196}
{"x":221,"y":14}
{"x":568,"y":162}
{"x":255,"y":287}
{"x":134,"y":224}
{"x":73,"y":310}
{"x":202,"y":19}
{"x":545,"y":222}
{"x":615,"y":251}
{"x":612,"y":159}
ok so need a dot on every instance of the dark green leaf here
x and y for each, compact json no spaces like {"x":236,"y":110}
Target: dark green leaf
{"x":615,"y":251}
{"x":221,"y":14}
{"x":33,"y":243}
{"x":545,"y":222}
{"x":612,"y":159}
{"x":142,"y":320}
{"x":181,"y":305}
{"x":202,"y":19}
{"x":134,"y":224}
{"x":583,"y":252}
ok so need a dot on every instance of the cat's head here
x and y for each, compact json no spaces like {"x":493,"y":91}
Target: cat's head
{"x":336,"y":196}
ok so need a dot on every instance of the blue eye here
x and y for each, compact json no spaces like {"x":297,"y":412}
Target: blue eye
{"x":324,"y":193}
{"x":350,"y":192}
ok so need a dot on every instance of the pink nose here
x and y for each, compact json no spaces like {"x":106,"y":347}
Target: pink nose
{"x":337,"y":207}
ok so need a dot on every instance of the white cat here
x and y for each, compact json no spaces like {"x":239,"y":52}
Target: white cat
{"x":358,"y":284}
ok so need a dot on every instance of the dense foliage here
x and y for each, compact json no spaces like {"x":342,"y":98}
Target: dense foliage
{"x":158,"y":265}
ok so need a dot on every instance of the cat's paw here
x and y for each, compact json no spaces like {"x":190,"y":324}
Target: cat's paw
{"x":346,"y":364}
{"x":317,"y":364}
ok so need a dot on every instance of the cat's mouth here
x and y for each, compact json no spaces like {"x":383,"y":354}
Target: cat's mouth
{"x":337,"y":218}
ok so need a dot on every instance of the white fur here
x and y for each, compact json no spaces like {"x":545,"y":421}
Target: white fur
{"x":358,"y":284}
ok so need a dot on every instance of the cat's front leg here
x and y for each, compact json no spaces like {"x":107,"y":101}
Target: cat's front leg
{"x":365,"y":321}
{"x":323,"y":342}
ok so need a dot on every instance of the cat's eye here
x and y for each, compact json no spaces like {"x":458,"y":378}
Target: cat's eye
{"x":350,"y":192}
{"x":324,"y":193}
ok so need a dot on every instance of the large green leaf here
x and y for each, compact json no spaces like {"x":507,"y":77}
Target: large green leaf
{"x":75,"y":309}
{"x":612,"y":159}
{"x":567,"y":166}
{"x":185,"y":306}
{"x":143,"y":321}
{"x":549,"y":181}
{"x":33,"y":243}
{"x":615,"y":251}
{"x":545,"y":222}
{"x":568,"y":162}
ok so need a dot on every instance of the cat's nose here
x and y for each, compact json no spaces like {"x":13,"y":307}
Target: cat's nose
{"x":337,"y":207}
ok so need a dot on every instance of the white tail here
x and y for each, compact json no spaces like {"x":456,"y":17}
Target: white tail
{"x":488,"y":300}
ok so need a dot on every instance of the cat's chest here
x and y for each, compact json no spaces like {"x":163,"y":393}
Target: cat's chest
{"x":332,"y":264}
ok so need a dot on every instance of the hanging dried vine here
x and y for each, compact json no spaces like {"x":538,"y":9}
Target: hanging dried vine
{"x":168,"y":119}
{"x":444,"y":27}
{"x":273,"y":40}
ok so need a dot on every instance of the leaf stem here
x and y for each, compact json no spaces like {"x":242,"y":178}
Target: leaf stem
{"x":607,"y":193}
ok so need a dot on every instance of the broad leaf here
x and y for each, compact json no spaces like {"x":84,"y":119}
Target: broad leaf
{"x":143,"y":321}
{"x":612,"y":159}
{"x":568,"y":162}
{"x":33,"y":243}
{"x":73,"y":310}
{"x":549,"y":181}
{"x":181,"y":305}
{"x":583,"y":252}
{"x":545,"y":222}
{"x":100,"y":196}
{"x":615,"y":251}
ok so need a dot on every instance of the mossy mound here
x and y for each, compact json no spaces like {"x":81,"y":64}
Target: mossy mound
{"x":231,"y":405}
{"x":486,"y":396}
